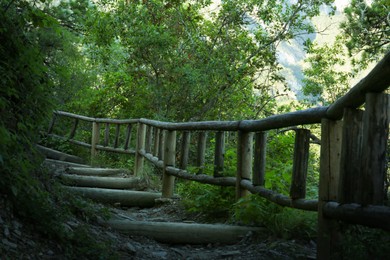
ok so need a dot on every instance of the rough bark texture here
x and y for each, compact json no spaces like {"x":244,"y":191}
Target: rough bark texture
{"x":184,"y":233}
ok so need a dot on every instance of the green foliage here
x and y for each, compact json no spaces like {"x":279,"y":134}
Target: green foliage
{"x":363,"y":243}
{"x":30,"y":71}
{"x":366,"y":31}
{"x":326,"y":78}
{"x":280,"y":221}
{"x":172,"y":61}
{"x":280,"y":150}
{"x":213,"y":201}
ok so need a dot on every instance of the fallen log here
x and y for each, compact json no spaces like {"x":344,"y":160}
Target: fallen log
{"x":57,"y":155}
{"x":103,"y":182}
{"x":126,"y":198}
{"x":184,"y":233}
{"x":64,"y":164}
{"x":96,"y":171}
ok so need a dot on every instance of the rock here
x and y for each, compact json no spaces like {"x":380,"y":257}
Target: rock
{"x":231,"y":253}
{"x":6,"y":231}
{"x":160,"y":254}
{"x":130,"y":248}
{"x":8,"y":243}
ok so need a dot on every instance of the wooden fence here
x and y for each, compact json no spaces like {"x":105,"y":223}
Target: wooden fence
{"x":352,"y":157}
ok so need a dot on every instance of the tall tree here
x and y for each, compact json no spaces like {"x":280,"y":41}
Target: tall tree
{"x":367,"y":31}
{"x":186,"y":64}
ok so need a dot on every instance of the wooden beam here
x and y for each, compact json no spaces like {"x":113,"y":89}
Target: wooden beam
{"x":184,"y":233}
{"x":103,"y":182}
{"x":117,"y":133}
{"x":370,"y":216}
{"x":300,"y":164}
{"x":94,"y":140}
{"x":107,"y":135}
{"x":169,"y":160}
{"x":185,"y":149}
{"x":128,"y":136}
{"x":244,"y":161}
{"x":201,"y":152}
{"x":219,"y":153}
{"x":140,"y":146}
{"x":351,"y":157}
{"x":376,"y":134}
{"x":328,"y":239}
{"x":127,"y":198}
{"x":149,"y":139}
{"x":96,"y":171}
{"x":260,"y":159}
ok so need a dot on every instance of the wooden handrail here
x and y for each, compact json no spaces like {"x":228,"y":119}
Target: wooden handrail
{"x":156,"y":141}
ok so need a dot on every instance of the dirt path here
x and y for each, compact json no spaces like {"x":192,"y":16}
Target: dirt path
{"x":21,"y":240}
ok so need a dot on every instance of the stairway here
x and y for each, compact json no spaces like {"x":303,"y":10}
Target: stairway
{"x":118,"y":187}
{"x":110,"y":186}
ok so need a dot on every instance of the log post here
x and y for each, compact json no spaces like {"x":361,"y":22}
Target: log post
{"x":74,"y":128}
{"x":200,"y":156}
{"x":107,"y":135}
{"x":140,"y":146}
{"x":260,"y":159}
{"x":128,"y":136}
{"x":244,"y":161}
{"x":351,"y":160}
{"x":300,"y":164}
{"x":117,"y":132}
{"x":156,"y":141}
{"x":149,"y":136}
{"x":219,"y":154}
{"x":185,"y":149}
{"x":161,"y":145}
{"x":94,"y":140}
{"x":376,"y":133}
{"x":169,"y":160}
{"x":328,"y":229}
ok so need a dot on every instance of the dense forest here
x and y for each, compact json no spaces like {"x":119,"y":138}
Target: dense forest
{"x":173,"y":61}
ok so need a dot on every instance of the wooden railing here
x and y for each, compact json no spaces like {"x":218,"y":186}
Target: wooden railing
{"x":352,"y":160}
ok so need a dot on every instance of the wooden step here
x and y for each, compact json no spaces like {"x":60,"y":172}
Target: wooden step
{"x":184,"y":233}
{"x":57,"y":155}
{"x":97,"y":171}
{"x":126,"y":198}
{"x":104,"y":182}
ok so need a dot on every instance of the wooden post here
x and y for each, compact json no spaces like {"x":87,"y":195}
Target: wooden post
{"x":260,"y":158}
{"x":149,"y":136}
{"x":128,"y":136}
{"x":200,"y":157}
{"x":52,"y":122}
{"x":376,"y":133}
{"x":94,"y":140}
{"x":351,"y":160}
{"x":185,"y":148}
{"x":219,"y":154}
{"x":169,"y":160}
{"x":328,"y":229}
{"x":156,"y":141}
{"x":107,"y":135}
{"x":244,"y":161}
{"x":300,"y":164}
{"x":74,"y":128}
{"x":161,"y":145}
{"x":117,"y":132}
{"x":140,"y":145}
